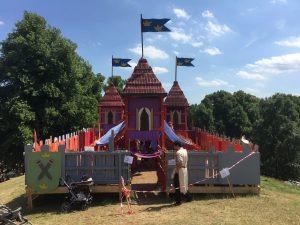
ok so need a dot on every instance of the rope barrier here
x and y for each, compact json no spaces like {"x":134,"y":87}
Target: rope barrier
{"x":197,"y":182}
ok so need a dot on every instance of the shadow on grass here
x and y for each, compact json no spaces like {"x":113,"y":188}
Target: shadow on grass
{"x":51,"y":204}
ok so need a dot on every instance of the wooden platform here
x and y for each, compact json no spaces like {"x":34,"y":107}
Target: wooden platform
{"x":147,"y":181}
{"x":30,"y":193}
{"x":225,"y":189}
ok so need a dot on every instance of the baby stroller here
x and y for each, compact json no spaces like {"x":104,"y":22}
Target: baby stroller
{"x":13,"y":217}
{"x":79,"y":195}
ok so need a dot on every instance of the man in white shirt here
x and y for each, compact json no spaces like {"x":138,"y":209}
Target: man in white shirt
{"x":180,"y":180}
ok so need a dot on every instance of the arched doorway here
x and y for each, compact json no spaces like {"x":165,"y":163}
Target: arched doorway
{"x":175,"y":118}
{"x":144,"y":120}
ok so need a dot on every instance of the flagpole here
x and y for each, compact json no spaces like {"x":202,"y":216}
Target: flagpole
{"x":176,"y":69}
{"x":142,"y":39}
{"x":112,"y":68}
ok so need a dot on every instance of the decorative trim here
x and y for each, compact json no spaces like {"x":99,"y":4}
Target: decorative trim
{"x":105,"y":117}
{"x":137,"y":124}
{"x":172,"y":116}
{"x":150,"y":116}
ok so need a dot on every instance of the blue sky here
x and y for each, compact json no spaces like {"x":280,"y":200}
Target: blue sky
{"x":252,"y":46}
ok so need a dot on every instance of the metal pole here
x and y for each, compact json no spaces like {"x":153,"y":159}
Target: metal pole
{"x":112,"y":68}
{"x":142,"y":39}
{"x":176,"y":69}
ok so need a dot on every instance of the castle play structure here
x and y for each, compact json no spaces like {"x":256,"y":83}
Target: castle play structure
{"x":139,"y":127}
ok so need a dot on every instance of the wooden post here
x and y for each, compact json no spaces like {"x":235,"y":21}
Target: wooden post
{"x":61,"y":149}
{"x":185,"y":118}
{"x":162,"y":117}
{"x":126,"y":123}
{"x":29,"y":198}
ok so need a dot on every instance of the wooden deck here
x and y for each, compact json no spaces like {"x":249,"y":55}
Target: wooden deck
{"x":147,"y":181}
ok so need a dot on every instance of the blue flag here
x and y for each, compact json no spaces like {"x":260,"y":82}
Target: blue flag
{"x":120,"y":62}
{"x":184,"y":61}
{"x":154,"y":25}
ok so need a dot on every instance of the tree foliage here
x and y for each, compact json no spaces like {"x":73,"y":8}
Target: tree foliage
{"x":272,"y":123}
{"x":117,"y":81}
{"x":44,"y":84}
{"x":278,"y":134}
{"x":226,"y":113}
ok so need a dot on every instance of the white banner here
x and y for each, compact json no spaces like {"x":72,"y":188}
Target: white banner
{"x":224,"y":172}
{"x":89,"y":148}
{"x":128,"y":159}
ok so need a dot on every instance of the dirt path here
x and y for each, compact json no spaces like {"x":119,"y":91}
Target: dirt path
{"x":144,"y":181}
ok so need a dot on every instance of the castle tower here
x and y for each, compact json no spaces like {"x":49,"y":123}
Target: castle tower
{"x":111,"y":109}
{"x":144,"y":109}
{"x":176,"y":109}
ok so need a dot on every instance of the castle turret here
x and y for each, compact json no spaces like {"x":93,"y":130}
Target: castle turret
{"x":111,"y":109}
{"x":176,"y":109}
{"x":144,"y":107}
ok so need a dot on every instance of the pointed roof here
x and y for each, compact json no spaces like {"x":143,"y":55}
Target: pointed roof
{"x":143,"y":81}
{"x":176,"y":96}
{"x":111,"y":97}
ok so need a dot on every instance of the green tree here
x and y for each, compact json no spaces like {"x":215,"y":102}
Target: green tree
{"x":278,"y":134}
{"x":44,"y":84}
{"x":117,"y":81}
{"x":202,"y":117}
{"x":249,"y":104}
{"x":226,"y":113}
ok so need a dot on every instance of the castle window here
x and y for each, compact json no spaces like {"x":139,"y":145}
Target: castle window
{"x":144,"y":119}
{"x":110,"y":118}
{"x":175,"y":118}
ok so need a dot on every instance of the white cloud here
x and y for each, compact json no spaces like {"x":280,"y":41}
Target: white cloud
{"x":207,"y":14}
{"x":1,"y":23}
{"x":197,"y":44}
{"x":216,"y":29}
{"x":275,"y":65}
{"x":290,"y":42}
{"x":181,"y":13}
{"x":179,"y":35}
{"x":176,"y":52}
{"x":160,"y":70}
{"x":210,"y":83}
{"x":278,"y":1}
{"x":249,"y":75}
{"x":150,"y":51}
{"x":213,"y":51}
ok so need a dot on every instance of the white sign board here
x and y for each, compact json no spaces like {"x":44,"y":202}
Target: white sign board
{"x":224,"y":172}
{"x":128,"y":159}
{"x":171,"y":162}
{"x":89,"y":148}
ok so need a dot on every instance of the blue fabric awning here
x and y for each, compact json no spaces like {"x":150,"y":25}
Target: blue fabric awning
{"x":105,"y":138}
{"x":171,"y":134}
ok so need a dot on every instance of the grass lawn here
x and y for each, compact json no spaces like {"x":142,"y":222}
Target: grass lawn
{"x":278,"y":203}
